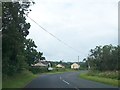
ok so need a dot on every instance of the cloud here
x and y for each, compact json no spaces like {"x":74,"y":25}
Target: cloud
{"x":83,"y":24}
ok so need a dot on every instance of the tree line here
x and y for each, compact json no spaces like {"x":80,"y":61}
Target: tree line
{"x":104,"y":58}
{"x":18,"y":52}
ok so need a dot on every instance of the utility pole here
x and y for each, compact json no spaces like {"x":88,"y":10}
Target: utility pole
{"x":88,"y":66}
{"x":78,"y":59}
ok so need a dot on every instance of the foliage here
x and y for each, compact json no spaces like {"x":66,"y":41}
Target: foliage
{"x":105,"y":74}
{"x":18,"y":80}
{"x":18,"y":53}
{"x":31,"y":53}
{"x":36,"y":70}
{"x":14,"y":31}
{"x":104,"y":58}
{"x":83,"y":66}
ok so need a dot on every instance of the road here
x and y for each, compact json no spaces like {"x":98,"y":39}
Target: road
{"x":65,"y":80}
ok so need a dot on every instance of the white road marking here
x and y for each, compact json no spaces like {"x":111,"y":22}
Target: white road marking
{"x":76,"y":88}
{"x":65,"y":81}
{"x":60,"y":78}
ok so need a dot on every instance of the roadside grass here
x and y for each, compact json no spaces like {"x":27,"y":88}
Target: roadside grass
{"x":19,"y":80}
{"x":105,"y":80}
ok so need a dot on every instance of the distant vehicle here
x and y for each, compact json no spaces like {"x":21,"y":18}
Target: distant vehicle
{"x":50,"y":68}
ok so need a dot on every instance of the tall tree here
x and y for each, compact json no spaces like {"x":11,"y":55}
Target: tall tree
{"x":104,"y":58}
{"x":14,"y":32}
{"x":18,"y":52}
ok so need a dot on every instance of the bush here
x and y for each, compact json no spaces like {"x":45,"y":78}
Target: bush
{"x":59,"y":69}
{"x":18,"y":80}
{"x":106,"y":74}
{"x":36,"y":70}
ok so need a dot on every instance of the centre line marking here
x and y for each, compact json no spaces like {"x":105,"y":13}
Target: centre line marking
{"x":76,"y":88}
{"x":65,"y":81}
{"x":60,"y":78}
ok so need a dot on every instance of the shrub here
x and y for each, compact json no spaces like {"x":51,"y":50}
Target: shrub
{"x":106,"y":74}
{"x":36,"y":70}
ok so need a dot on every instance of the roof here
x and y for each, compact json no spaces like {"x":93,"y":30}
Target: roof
{"x":75,"y":64}
{"x":40,"y":64}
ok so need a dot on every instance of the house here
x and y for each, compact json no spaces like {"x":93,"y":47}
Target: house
{"x":60,"y":66}
{"x":75,"y":66}
{"x":41,"y":64}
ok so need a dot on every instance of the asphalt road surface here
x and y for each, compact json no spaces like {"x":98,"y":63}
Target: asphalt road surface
{"x":65,"y":80}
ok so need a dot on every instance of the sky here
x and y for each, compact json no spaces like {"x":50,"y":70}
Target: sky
{"x":81,"y":24}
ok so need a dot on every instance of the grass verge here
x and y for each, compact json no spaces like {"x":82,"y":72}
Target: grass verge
{"x":113,"y":82}
{"x":19,"y":80}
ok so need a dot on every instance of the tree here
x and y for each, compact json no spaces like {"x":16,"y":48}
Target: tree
{"x":18,"y":52}
{"x":14,"y":32}
{"x":104,"y":58}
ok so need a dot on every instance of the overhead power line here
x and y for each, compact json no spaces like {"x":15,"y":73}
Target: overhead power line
{"x":53,"y":35}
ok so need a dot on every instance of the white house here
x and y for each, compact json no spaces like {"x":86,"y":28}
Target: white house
{"x":60,"y":66}
{"x":40,"y":64}
{"x":75,"y":66}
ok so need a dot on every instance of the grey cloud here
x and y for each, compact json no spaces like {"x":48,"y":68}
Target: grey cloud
{"x":82,"y":24}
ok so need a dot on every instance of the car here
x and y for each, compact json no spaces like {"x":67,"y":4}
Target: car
{"x":50,"y":68}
